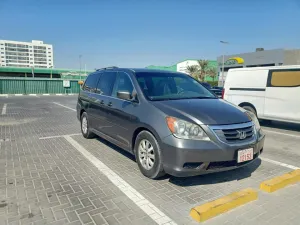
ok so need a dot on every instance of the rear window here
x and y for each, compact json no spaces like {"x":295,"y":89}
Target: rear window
{"x":287,"y":78}
{"x":91,"y":82}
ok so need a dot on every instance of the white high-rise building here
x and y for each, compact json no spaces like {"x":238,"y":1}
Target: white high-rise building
{"x":26,"y":54}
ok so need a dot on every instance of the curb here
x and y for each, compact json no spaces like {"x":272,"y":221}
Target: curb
{"x":211,"y":209}
{"x":279,"y":182}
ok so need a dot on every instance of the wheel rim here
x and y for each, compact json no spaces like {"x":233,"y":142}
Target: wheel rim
{"x":84,"y":125}
{"x":146,"y":154}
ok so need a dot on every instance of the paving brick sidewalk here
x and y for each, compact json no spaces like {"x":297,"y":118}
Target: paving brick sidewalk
{"x":50,"y":182}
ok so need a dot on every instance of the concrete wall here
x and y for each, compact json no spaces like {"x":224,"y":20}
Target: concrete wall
{"x":291,"y":57}
{"x":257,"y":58}
{"x":275,"y":56}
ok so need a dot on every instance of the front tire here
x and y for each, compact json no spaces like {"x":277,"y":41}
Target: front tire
{"x":85,"y":130}
{"x":148,"y":155}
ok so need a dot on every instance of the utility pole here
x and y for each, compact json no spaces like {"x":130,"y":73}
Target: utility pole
{"x":224,"y":43}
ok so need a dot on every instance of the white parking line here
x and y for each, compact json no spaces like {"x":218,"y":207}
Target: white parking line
{"x":4,"y":109}
{"x":281,"y":133}
{"x":151,"y":210}
{"x":279,"y":163}
{"x":58,"y":136}
{"x":64,"y":106}
{"x":4,"y":95}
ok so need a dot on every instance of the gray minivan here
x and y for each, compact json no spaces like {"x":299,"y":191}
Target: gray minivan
{"x":169,"y":121}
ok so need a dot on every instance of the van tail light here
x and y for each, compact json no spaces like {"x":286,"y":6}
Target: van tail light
{"x":223,"y":93}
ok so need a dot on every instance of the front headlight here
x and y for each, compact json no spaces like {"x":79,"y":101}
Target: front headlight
{"x":185,"y":130}
{"x":254,"y":119}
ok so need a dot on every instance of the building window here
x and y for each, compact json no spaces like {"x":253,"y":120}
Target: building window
{"x":284,"y":78}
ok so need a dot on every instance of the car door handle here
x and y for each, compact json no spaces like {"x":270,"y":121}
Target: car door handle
{"x":109,"y":104}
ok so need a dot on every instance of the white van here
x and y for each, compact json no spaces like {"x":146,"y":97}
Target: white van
{"x":273,"y":93}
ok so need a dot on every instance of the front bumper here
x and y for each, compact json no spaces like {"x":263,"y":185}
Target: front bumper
{"x":191,"y":157}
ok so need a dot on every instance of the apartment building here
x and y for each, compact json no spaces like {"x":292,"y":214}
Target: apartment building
{"x":26,"y":54}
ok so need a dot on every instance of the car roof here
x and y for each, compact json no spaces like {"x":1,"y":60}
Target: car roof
{"x":146,"y":70}
{"x":139,"y":70}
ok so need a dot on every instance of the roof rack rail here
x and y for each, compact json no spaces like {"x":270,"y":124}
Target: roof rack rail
{"x":106,"y":68}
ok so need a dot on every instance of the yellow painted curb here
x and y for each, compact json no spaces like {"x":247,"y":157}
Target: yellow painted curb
{"x":281,"y":181}
{"x":221,"y":205}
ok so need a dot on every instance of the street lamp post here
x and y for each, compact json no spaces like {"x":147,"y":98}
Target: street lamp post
{"x":225,"y":43}
{"x":80,"y":56}
{"x":51,"y":72}
{"x":32,"y":71}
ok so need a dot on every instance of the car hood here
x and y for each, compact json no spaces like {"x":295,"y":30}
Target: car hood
{"x":204,"y":111}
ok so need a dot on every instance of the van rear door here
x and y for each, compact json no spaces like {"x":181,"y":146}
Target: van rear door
{"x":282,"y":95}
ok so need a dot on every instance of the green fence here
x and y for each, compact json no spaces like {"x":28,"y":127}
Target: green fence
{"x":37,"y":86}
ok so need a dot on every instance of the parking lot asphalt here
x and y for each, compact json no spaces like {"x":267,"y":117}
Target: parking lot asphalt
{"x":50,"y":174}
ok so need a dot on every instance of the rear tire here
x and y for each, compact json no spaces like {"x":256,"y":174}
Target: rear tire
{"x":85,"y":130}
{"x":148,"y":155}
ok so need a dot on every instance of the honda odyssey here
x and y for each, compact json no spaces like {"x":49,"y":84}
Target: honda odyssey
{"x":169,"y":121}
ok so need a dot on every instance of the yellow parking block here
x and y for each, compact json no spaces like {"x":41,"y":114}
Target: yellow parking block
{"x":224,"y":204}
{"x":281,"y":181}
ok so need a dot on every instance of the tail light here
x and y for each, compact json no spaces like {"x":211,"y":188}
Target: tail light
{"x":223,"y":93}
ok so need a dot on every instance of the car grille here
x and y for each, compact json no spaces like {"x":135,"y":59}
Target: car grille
{"x":235,"y":134}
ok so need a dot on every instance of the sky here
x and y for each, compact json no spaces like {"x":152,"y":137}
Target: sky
{"x":138,"y":33}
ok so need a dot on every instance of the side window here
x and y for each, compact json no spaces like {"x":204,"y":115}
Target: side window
{"x":284,"y":78}
{"x":123,"y":84}
{"x":91,"y":82}
{"x":106,"y":83}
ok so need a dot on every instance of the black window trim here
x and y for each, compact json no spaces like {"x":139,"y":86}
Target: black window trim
{"x":269,"y":84}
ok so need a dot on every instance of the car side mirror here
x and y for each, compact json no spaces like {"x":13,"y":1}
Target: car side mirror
{"x":125,"y":95}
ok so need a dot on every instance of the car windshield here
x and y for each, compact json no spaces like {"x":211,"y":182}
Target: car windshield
{"x":158,"y":86}
{"x":206,"y":85}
